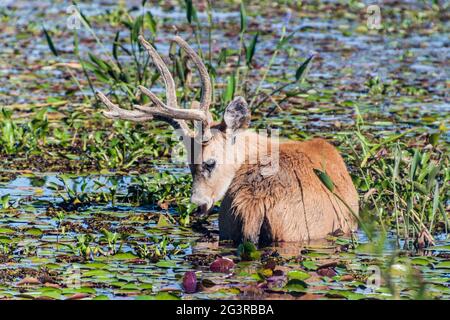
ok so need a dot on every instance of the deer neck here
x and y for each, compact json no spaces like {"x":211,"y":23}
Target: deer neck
{"x":253,"y":148}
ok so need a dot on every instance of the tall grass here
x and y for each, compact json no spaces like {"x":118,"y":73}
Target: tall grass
{"x":404,"y":181}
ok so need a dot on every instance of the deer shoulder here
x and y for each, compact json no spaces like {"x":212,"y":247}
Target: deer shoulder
{"x":291,"y":204}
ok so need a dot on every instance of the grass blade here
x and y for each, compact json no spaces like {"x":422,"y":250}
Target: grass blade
{"x":152,"y":23}
{"x":250,"y":51}
{"x":243,"y":15}
{"x":303,"y":69}
{"x":325,"y":179}
{"x":50,"y":42}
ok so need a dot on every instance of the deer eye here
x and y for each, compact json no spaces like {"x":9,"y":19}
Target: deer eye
{"x":209,"y":164}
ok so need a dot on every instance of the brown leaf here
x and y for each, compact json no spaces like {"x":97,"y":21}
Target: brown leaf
{"x":310,"y":296}
{"x":278,"y":272}
{"x":329,"y":264}
{"x":270,"y":264}
{"x":78,"y":296}
{"x":207,"y":283}
{"x":163,"y":205}
{"x":347,"y":277}
{"x":326,"y":272}
{"x":369,"y":193}
{"x":28,"y":280}
{"x":138,"y":261}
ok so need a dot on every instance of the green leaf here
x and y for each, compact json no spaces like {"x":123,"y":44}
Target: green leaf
{"x":6,"y":230}
{"x":152,"y":23}
{"x":303,"y":69}
{"x":443,"y":265}
{"x":4,"y":201}
{"x":136,"y":29}
{"x":310,"y":265}
{"x":298,"y":275}
{"x":243,"y":15}
{"x":163,"y":222}
{"x":83,"y":17}
{"x":191,"y":13}
{"x":166,"y":296}
{"x":435,"y":204}
{"x":296,"y":285}
{"x":439,"y":248}
{"x":434,"y":138}
{"x":34,"y":232}
{"x":115,"y":46}
{"x":230,"y":88}
{"x":166,"y":264}
{"x":325,"y":179}
{"x":247,"y":251}
{"x":414,"y":163}
{"x":421,"y":261}
{"x":95,"y":265}
{"x":87,"y":290}
{"x":102,"y":64}
{"x":50,"y":42}
{"x":420,"y":187}
{"x":432,"y":176}
{"x":284,"y":40}
{"x":250,"y":51}
{"x":123,"y":256}
{"x":97,"y":273}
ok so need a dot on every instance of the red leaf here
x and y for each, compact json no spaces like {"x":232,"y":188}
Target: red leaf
{"x":223,"y":265}
{"x":190,"y":282}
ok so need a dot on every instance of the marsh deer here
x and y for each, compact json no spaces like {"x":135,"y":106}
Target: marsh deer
{"x":269,"y":189}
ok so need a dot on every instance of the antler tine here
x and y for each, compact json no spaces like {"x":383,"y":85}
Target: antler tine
{"x":116,"y":112}
{"x":145,"y":114}
{"x":205,"y":100}
{"x":185,"y":114}
{"x":171,"y":95}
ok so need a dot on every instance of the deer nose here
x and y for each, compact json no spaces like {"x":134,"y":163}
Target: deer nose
{"x":201,"y":200}
{"x":198,"y":199}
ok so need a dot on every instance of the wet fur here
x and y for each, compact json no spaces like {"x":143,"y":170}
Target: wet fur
{"x":292,"y":204}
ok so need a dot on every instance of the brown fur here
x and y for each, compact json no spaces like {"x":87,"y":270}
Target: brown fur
{"x":292,"y":204}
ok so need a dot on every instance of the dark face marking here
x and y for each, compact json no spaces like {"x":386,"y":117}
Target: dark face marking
{"x":208,"y":166}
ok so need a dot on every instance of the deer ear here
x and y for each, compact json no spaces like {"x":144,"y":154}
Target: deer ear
{"x":237,"y":115}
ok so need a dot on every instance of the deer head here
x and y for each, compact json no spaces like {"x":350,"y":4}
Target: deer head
{"x":211,"y":166}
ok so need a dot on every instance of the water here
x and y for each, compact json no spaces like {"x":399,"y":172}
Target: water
{"x":113,"y":277}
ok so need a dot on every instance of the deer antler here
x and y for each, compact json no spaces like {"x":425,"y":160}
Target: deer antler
{"x":169,"y":111}
{"x":205,"y":100}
